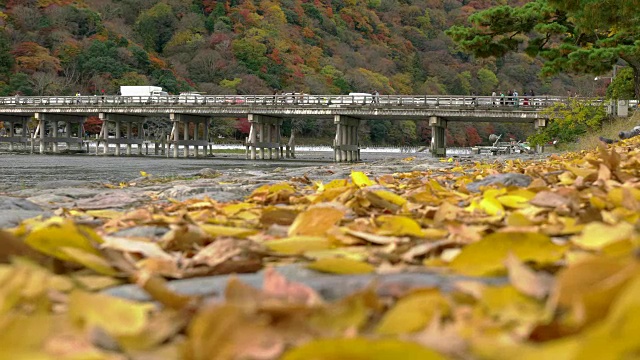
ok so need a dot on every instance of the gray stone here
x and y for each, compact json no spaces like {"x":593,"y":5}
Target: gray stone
{"x":56,"y":184}
{"x":51,"y":201}
{"x":218,"y":193}
{"x":329,"y":286}
{"x":14,"y":210}
{"x":208,"y":172}
{"x":112,"y":199}
{"x":142,"y":231}
{"x":519,"y":180}
{"x":12,"y":218}
{"x":13,"y":203}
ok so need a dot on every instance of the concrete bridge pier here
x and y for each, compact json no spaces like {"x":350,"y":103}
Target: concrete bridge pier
{"x":54,"y":120}
{"x":10,"y":122}
{"x":186,"y":120}
{"x":345,"y":144}
{"x":117,"y":120}
{"x":265,"y":133}
{"x":438,"y":136}
{"x":540,"y":124}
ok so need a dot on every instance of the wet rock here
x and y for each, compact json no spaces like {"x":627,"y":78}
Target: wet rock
{"x":519,"y":180}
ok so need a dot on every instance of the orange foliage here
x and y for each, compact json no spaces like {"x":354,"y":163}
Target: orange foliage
{"x":100,"y":37}
{"x":308,"y":33}
{"x":31,"y":57}
{"x":157,"y":62}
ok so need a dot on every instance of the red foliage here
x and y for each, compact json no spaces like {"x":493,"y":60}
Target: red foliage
{"x":450,"y":139}
{"x":473,"y":138}
{"x":208,"y":6}
{"x":348,"y":20}
{"x":243,"y":126}
{"x":93,"y":125}
{"x":297,"y":72}
{"x":297,"y":59}
{"x":245,"y":13}
{"x":275,"y":56}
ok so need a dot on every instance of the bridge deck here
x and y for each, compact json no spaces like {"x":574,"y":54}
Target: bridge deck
{"x":388,"y":107}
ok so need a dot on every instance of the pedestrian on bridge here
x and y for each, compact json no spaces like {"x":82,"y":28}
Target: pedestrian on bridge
{"x":376,"y":97}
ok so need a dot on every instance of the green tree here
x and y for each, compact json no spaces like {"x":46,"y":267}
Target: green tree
{"x":6,"y":59}
{"x":488,"y":81}
{"x":251,"y":50}
{"x":581,"y":36}
{"x":20,"y":83}
{"x":156,"y":26}
{"x":402,"y":132}
{"x":621,"y":86}
{"x":379,"y":131}
{"x":568,"y":121}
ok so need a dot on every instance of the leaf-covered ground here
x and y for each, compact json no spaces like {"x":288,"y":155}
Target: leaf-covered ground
{"x":567,"y":246}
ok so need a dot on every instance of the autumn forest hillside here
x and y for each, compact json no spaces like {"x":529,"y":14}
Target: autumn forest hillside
{"x":255,"y":47}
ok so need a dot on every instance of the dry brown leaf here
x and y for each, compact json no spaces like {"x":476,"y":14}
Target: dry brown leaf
{"x":217,"y":252}
{"x":274,"y":284}
{"x":376,"y":239}
{"x":549,"y":199}
{"x":527,"y":281}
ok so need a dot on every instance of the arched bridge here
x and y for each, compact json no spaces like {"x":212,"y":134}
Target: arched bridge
{"x":189,"y":113}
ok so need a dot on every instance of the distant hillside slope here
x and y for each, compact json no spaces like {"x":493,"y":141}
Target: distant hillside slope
{"x":235,"y":46}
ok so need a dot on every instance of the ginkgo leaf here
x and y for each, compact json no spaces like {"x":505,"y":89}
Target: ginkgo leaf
{"x":486,"y":256}
{"x":491,"y":205}
{"x":597,"y":235}
{"x":298,"y":244}
{"x":220,"y":230}
{"x":57,"y":233}
{"x":388,"y":197}
{"x":360,"y":179}
{"x":396,"y":225}
{"x":513,"y":201}
{"x":360,"y":348}
{"x":316,"y":221}
{"x":413,"y":312}
{"x":116,"y":316}
{"x":341,"y":265}
{"x":89,"y":259}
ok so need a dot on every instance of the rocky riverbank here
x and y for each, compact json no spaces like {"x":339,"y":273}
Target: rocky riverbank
{"x":223,"y":183}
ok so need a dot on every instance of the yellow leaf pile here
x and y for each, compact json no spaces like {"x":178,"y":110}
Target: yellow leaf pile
{"x":549,"y":271}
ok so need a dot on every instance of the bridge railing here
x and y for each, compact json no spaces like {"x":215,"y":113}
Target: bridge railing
{"x":454,"y":101}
